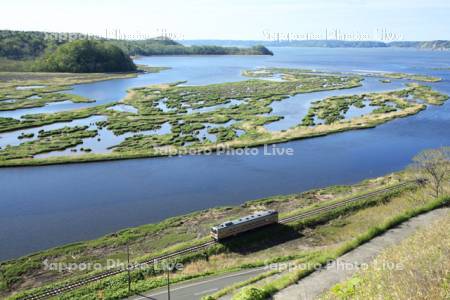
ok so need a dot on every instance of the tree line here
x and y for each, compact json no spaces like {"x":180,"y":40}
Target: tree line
{"x":35,"y":51}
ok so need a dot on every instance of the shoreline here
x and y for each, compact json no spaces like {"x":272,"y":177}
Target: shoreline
{"x":101,"y":248}
{"x":356,"y":188}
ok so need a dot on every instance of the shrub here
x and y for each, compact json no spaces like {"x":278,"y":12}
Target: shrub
{"x":250,"y":293}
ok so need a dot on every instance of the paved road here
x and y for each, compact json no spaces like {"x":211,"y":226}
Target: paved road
{"x":195,"y":289}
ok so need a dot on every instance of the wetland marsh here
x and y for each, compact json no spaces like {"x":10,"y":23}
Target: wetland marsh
{"x":201,"y":118}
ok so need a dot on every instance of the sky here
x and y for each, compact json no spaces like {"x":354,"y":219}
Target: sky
{"x":235,"y":19}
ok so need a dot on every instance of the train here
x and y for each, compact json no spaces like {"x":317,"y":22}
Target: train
{"x":243,"y":224}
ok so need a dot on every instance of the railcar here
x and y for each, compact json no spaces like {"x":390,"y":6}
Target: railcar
{"x":237,"y":226}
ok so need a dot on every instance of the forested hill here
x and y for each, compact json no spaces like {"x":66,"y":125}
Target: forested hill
{"x":32,"y":44}
{"x":170,"y":47}
{"x":25,"y":44}
{"x":84,"y":56}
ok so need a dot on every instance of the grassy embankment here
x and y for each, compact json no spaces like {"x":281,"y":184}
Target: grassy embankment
{"x":305,"y":241}
{"x":267,"y":288}
{"x":423,"y":272}
{"x":189,"y":109}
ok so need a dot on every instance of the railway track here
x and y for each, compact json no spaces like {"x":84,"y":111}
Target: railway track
{"x":74,"y":285}
{"x":333,"y":206}
{"x":77,"y":284}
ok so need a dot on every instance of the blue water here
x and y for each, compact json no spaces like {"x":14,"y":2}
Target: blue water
{"x":296,"y":107}
{"x":41,"y":207}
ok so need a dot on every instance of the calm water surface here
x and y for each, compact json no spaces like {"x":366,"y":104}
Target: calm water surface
{"x":41,"y":207}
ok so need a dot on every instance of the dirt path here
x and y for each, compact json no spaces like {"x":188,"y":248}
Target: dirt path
{"x":320,"y":281}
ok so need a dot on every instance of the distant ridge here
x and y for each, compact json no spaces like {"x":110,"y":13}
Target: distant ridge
{"x":32,"y":44}
{"x":434,"y":45}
